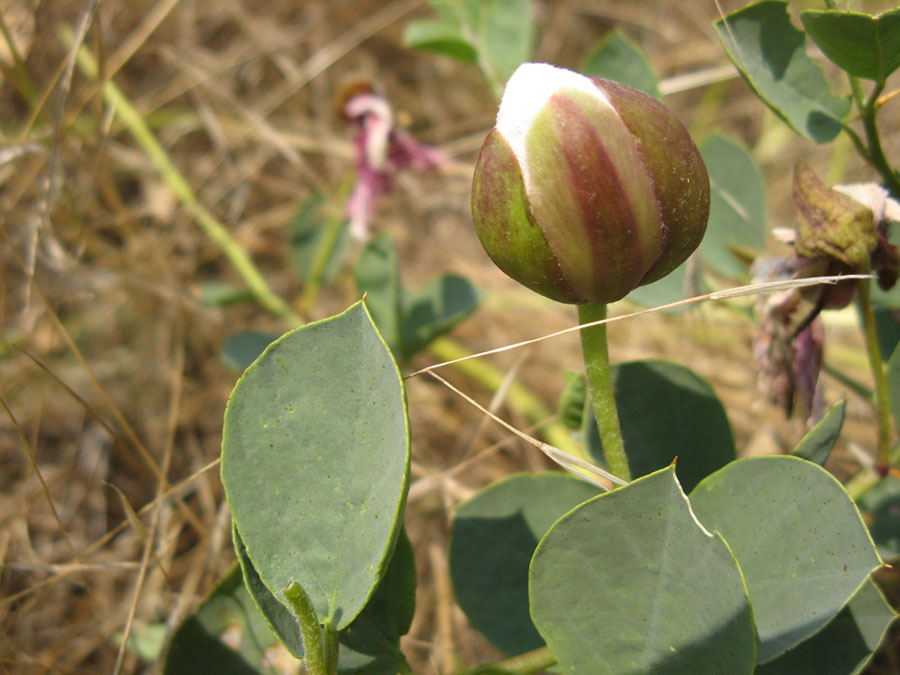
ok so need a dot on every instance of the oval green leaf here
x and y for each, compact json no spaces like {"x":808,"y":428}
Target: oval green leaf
{"x":881,"y":506}
{"x":771,"y":56}
{"x":617,"y":57}
{"x":315,"y":458}
{"x":630,"y":582}
{"x":667,"y":411}
{"x":441,"y":304}
{"x":863,"y":45}
{"x":817,"y":444}
{"x":506,"y":33}
{"x":846,"y":644}
{"x":737,"y":209}
{"x":798,"y":537}
{"x":493,"y":538}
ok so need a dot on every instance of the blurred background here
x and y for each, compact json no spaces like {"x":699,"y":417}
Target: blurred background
{"x":117,"y":303}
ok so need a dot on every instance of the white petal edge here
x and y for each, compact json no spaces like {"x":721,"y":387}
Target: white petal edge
{"x":883,"y":206}
{"x":526,"y":94}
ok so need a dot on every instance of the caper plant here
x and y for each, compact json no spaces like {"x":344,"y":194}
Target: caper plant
{"x":689,"y":560}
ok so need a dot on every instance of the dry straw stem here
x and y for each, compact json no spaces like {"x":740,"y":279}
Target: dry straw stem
{"x":740,"y":291}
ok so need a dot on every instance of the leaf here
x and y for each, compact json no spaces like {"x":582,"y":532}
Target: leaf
{"x":368,"y":646}
{"x":493,"y":538}
{"x":371,"y":644}
{"x":846,"y":644}
{"x":441,"y":37}
{"x":817,"y":444}
{"x":307,"y":230}
{"x":670,"y":288}
{"x":666,"y":411}
{"x":771,"y":56}
{"x":618,"y":58}
{"x":863,"y":45}
{"x":892,"y":372}
{"x":315,"y":460}
{"x":737,"y":210}
{"x":203,"y":643}
{"x":242,"y":348}
{"x":573,"y":400}
{"x":798,"y":537}
{"x":220,"y":294}
{"x":880,"y":505}
{"x":377,"y":275}
{"x":435,"y":310}
{"x":280,"y":620}
{"x":506,"y":34}
{"x":629,"y":582}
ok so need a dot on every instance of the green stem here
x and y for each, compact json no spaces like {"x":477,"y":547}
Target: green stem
{"x":876,"y":152}
{"x":596,"y":363}
{"x":529,"y":662}
{"x":214,"y":229}
{"x":876,"y":363}
{"x":315,"y":655}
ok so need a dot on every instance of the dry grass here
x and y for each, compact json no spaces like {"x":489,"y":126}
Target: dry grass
{"x":110,"y":364}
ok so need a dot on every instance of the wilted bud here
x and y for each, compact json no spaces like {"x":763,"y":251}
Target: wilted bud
{"x":586,"y":188}
{"x":844,"y":230}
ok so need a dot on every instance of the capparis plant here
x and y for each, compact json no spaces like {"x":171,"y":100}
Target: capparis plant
{"x":584,"y":191}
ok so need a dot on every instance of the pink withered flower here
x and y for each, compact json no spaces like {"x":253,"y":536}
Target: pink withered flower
{"x":836,"y":230}
{"x":382,"y":148}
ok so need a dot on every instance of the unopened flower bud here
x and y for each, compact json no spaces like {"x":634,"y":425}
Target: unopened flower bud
{"x":586,"y":188}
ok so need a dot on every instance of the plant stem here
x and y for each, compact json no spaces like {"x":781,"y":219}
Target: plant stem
{"x":314,"y":653}
{"x":876,"y":152}
{"x":596,"y":362}
{"x":529,"y":662}
{"x":214,"y":229}
{"x":876,"y":363}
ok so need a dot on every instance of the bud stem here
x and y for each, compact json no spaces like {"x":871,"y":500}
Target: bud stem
{"x":595,"y":347}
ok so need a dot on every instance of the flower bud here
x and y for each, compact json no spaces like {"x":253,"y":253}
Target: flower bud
{"x":586,"y":189}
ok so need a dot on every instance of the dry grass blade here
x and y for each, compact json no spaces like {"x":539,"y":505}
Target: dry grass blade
{"x":575,"y":465}
{"x":740,"y":291}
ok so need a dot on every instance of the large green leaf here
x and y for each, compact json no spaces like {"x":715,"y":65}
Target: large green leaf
{"x":618,"y":58}
{"x":202,"y":645}
{"x":845,"y":645}
{"x":436,"y":309}
{"x":737,"y":209}
{"x":494,"y":536}
{"x":863,"y":45}
{"x":798,"y":537}
{"x":315,"y":456}
{"x":771,"y":56}
{"x":667,"y":412}
{"x":629,"y":582}
{"x":817,"y":444}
